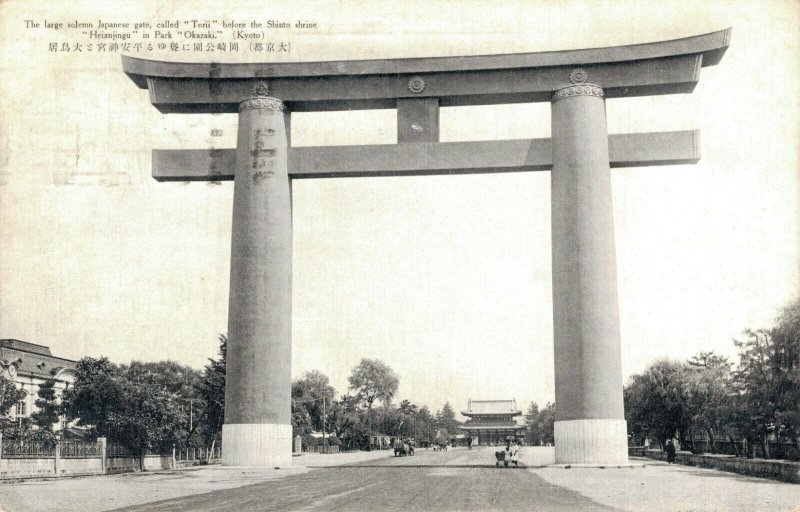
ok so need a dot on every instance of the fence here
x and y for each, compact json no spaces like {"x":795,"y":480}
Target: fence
{"x":199,"y":455}
{"x":80,"y":450}
{"x":777,"y":450}
{"x":118,"y":450}
{"x":772,"y":469}
{"x":321,"y":449}
{"x":36,"y":459}
{"x":29,"y":450}
{"x":787,"y":451}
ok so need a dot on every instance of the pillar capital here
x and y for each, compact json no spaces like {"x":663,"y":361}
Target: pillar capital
{"x":263,"y":102}
{"x":581,"y":89}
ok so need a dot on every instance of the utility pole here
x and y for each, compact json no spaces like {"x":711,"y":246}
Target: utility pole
{"x":323,"y":425}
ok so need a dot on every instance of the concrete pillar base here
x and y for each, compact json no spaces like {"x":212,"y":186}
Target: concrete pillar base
{"x":592,"y":442}
{"x":256,"y":444}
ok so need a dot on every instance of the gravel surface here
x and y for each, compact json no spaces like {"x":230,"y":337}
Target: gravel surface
{"x":452,"y":481}
{"x":673,"y":488}
{"x":456,"y":480}
{"x":99,"y":493}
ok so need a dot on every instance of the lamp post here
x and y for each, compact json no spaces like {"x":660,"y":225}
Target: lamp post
{"x":191,"y":410}
{"x":57,"y":452}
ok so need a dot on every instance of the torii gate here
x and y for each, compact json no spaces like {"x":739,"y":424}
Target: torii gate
{"x":590,"y":427}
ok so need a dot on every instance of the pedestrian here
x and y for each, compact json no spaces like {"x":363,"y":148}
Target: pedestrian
{"x":469,"y":442}
{"x":514,"y":452}
{"x":670,"y":449}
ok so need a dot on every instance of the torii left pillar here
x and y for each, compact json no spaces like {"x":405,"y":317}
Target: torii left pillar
{"x":258,"y":428}
{"x":590,"y":425}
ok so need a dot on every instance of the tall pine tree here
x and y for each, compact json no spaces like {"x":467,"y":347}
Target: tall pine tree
{"x":48,"y":409}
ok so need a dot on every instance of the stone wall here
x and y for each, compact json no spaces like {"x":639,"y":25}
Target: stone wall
{"x":157,"y":462}
{"x":46,"y":467}
{"x":784,"y":471}
{"x":131,"y":464}
{"x":80,"y":466}
{"x":49,"y":467}
{"x":26,"y":468}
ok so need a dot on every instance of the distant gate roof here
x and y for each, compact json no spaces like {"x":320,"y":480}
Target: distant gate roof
{"x":492,"y":407}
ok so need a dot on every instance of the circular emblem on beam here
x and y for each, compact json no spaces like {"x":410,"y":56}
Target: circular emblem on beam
{"x":261,"y":89}
{"x":578,"y":76}
{"x":578,"y":90}
{"x":416,"y":84}
{"x":262,"y":103}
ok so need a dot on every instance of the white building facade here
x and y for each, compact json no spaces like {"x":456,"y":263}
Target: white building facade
{"x":29,"y":365}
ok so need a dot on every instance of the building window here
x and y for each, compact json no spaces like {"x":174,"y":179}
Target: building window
{"x":21,"y":409}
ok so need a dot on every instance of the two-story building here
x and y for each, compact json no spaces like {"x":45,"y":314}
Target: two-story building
{"x":28,"y":365}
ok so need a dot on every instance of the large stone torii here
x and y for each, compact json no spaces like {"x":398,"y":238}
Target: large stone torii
{"x":590,"y":426}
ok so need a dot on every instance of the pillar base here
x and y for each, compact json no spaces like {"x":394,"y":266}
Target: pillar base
{"x":256,"y":444}
{"x":591,"y":442}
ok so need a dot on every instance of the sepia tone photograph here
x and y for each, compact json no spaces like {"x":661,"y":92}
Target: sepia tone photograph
{"x":431,"y":256}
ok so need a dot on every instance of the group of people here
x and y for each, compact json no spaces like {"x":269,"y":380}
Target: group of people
{"x":510,"y":454}
{"x":440,"y":447}
{"x":403,"y":446}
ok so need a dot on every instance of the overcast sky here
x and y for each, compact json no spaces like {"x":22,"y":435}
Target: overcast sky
{"x":447,"y":279}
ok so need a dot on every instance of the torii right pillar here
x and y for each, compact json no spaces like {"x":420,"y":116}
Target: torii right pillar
{"x":590,"y":423}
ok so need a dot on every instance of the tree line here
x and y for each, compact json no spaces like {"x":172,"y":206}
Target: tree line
{"x":153,"y":406}
{"x":750,"y":404}
{"x":755,"y":400}
{"x":540,"y":424}
{"x":367,"y":410}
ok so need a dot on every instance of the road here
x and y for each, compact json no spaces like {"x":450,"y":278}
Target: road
{"x":435,"y":481}
{"x":375,"y":481}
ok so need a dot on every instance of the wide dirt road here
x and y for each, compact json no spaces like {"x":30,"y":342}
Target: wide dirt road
{"x":452,"y":481}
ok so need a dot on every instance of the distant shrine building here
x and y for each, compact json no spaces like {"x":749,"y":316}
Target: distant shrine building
{"x":492,"y":421}
{"x":28,"y":365}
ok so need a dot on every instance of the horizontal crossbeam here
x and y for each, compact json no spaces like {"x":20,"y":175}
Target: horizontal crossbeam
{"x":641,"y":78}
{"x":428,"y":158}
{"x":665,"y":67}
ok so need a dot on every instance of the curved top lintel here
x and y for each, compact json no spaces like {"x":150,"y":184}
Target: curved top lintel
{"x":712,"y":46}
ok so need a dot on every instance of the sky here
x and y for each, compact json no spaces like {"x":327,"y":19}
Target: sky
{"x":447,"y":279}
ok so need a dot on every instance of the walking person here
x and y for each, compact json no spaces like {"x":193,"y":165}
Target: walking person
{"x":507,"y":453}
{"x":515,"y":452}
{"x":670,"y":449}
